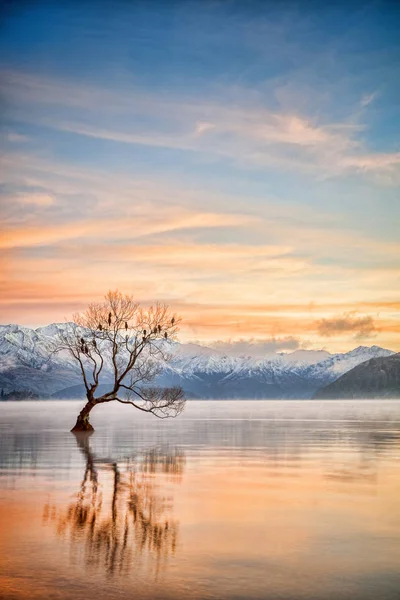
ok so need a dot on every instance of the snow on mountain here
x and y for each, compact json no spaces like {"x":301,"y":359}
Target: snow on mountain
{"x":378,"y":377}
{"x":27,"y":362}
{"x":337,"y":364}
{"x":31,"y":347}
{"x":189,"y":359}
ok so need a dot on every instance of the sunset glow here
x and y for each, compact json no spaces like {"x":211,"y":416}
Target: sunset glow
{"x":242,"y":166}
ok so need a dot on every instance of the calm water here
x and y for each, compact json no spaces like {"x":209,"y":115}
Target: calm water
{"x":243,"y":500}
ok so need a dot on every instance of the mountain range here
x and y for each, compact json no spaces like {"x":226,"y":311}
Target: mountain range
{"x":374,"y":378}
{"x":27,"y":363}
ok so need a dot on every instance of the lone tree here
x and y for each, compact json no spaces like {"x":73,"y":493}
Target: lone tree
{"x":129,"y":345}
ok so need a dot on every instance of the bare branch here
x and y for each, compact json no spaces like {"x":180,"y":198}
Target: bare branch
{"x":129,"y":347}
{"x":161,"y":402}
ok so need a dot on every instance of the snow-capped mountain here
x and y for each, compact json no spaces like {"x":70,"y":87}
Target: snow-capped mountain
{"x":27,"y":363}
{"x":374,"y":378}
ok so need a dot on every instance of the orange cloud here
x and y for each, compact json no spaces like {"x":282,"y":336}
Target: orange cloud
{"x":107,"y":229}
{"x":361,"y":326}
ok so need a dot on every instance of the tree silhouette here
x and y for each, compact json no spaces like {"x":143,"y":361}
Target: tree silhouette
{"x":118,"y":523}
{"x":131,"y":344}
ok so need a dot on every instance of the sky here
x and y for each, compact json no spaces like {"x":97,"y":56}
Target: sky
{"x":239,"y":161}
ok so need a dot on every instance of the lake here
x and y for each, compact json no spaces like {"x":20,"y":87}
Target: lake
{"x":243,"y":500}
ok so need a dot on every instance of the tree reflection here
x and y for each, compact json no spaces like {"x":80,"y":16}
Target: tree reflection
{"x":124,"y":519}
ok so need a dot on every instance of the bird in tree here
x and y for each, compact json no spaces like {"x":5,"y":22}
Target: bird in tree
{"x":129,"y":351}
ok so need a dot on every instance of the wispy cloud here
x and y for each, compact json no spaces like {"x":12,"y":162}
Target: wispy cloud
{"x":372,"y":162}
{"x":16,"y":137}
{"x":36,"y":199}
{"x":367,"y":99}
{"x":239,"y":129}
{"x":247,"y":177}
{"x":109,"y":229}
{"x":202,"y":127}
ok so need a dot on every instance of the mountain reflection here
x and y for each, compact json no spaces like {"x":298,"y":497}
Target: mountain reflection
{"x":119,"y":516}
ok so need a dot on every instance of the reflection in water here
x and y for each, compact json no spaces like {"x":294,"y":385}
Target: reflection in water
{"x":289,"y":500}
{"x":122,"y":518}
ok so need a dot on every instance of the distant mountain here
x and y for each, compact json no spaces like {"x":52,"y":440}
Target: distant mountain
{"x":375,"y":378}
{"x":27,"y":363}
{"x":18,"y":395}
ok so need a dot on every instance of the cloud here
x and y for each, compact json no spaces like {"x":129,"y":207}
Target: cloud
{"x":362,"y":327}
{"x":237,"y":125}
{"x":37,"y":199}
{"x":372,"y":162}
{"x":367,"y":99}
{"x":134,"y":227}
{"x":16,"y":137}
{"x":256,"y":348}
{"x":202,"y":127}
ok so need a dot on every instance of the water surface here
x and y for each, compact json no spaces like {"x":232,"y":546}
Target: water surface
{"x":244,"y":500}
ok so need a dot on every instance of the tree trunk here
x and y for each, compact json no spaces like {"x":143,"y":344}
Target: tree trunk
{"x":82,"y":422}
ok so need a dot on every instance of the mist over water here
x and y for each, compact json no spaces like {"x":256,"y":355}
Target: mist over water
{"x":252,"y":499}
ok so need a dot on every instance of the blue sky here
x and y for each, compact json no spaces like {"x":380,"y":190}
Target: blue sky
{"x":239,"y":160}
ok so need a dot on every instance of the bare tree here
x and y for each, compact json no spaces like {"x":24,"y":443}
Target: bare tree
{"x":130,"y":344}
